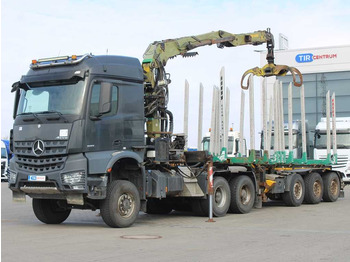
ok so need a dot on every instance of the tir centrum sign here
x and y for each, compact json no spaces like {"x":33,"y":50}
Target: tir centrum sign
{"x":309,"y":57}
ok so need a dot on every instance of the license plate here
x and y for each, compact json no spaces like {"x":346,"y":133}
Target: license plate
{"x":36,"y":178}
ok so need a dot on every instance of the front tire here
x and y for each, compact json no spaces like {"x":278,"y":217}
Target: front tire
{"x":331,"y":187}
{"x":122,"y":204}
{"x":295,"y":196}
{"x":48,"y":211}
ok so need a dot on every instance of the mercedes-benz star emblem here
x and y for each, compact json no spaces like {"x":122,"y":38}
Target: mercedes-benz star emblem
{"x":38,"y":147}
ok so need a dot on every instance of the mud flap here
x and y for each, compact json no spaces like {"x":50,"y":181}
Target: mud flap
{"x":75,"y":199}
{"x":18,"y":197}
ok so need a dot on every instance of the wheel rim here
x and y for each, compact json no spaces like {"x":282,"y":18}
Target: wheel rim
{"x":317,"y":188}
{"x":298,"y":190}
{"x":334,"y":187}
{"x":220,"y":197}
{"x":245,"y":195}
{"x":126,"y":205}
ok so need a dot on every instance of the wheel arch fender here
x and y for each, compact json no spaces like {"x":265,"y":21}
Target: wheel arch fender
{"x":137,"y":173}
{"x":123,"y":155}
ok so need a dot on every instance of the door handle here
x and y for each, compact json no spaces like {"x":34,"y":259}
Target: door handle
{"x":117,"y":143}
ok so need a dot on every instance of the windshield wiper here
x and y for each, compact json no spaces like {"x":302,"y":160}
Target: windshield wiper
{"x":29,"y":119}
{"x":54,"y":112}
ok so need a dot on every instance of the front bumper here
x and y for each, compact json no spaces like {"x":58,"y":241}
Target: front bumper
{"x":51,"y":184}
{"x":346,"y":178}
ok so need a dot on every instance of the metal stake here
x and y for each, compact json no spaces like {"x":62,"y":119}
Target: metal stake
{"x":303,"y":127}
{"x":328,"y":114}
{"x":186,"y":113}
{"x":241,"y":125}
{"x":200,"y":117}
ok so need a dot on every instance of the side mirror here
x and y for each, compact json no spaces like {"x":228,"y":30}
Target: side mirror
{"x":15,"y":86}
{"x":105,"y":103}
{"x":317,"y":134}
{"x":15,"y":107}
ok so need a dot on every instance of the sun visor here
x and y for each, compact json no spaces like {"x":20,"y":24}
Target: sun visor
{"x":63,"y":75}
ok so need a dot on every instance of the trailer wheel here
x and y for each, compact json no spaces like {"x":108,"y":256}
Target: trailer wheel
{"x":121,"y":205}
{"x":331,"y":187}
{"x":295,"y":195}
{"x":242,"y":195}
{"x":49,"y":212}
{"x":158,"y":206}
{"x":313,"y":188}
{"x":221,"y":198}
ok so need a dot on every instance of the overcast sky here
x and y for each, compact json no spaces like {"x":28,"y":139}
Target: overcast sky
{"x":37,"y":29}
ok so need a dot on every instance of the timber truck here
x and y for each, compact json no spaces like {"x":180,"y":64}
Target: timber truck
{"x":343,"y":144}
{"x":94,"y":132}
{"x":232,"y":145}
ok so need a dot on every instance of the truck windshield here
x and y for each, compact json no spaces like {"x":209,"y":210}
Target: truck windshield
{"x":206,"y":143}
{"x":230,"y":145}
{"x":286,"y":141}
{"x":343,"y":140}
{"x":65,"y":98}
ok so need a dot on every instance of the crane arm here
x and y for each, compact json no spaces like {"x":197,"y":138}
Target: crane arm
{"x":158,"y":53}
{"x":156,"y":56}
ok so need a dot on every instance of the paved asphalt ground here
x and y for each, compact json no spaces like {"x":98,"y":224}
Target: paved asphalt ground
{"x":274,"y":233}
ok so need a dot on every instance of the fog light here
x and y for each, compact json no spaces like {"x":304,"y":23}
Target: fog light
{"x":74,"y":178}
{"x":12,"y":177}
{"x":79,"y":187}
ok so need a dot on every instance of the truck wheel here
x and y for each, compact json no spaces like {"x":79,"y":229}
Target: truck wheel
{"x":295,"y":195}
{"x":121,"y":205}
{"x":242,"y":195}
{"x":158,"y":206}
{"x":313,"y":188}
{"x":49,"y":212}
{"x":331,"y":187}
{"x":221,"y":198}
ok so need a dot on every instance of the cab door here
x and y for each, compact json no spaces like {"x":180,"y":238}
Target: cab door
{"x":104,"y":131}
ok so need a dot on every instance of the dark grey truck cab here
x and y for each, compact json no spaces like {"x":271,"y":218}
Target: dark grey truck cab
{"x":77,"y":119}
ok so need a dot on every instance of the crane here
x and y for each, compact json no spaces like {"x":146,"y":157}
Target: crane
{"x":156,"y":56}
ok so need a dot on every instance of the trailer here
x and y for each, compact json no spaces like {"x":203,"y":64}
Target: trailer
{"x":94,"y":132}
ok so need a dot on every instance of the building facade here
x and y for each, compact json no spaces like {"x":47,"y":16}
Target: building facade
{"x":323,"y":69}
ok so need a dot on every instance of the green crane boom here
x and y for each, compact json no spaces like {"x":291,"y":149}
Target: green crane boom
{"x":157,"y":80}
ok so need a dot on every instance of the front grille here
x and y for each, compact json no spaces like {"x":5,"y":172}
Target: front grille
{"x":2,"y":168}
{"x":52,"y":147}
{"x":41,"y":164}
{"x":341,"y":163}
{"x":52,"y":158}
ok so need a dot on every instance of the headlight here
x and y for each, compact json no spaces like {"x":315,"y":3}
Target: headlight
{"x":12,"y":177}
{"x":347,"y":170}
{"x":74,"y":178}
